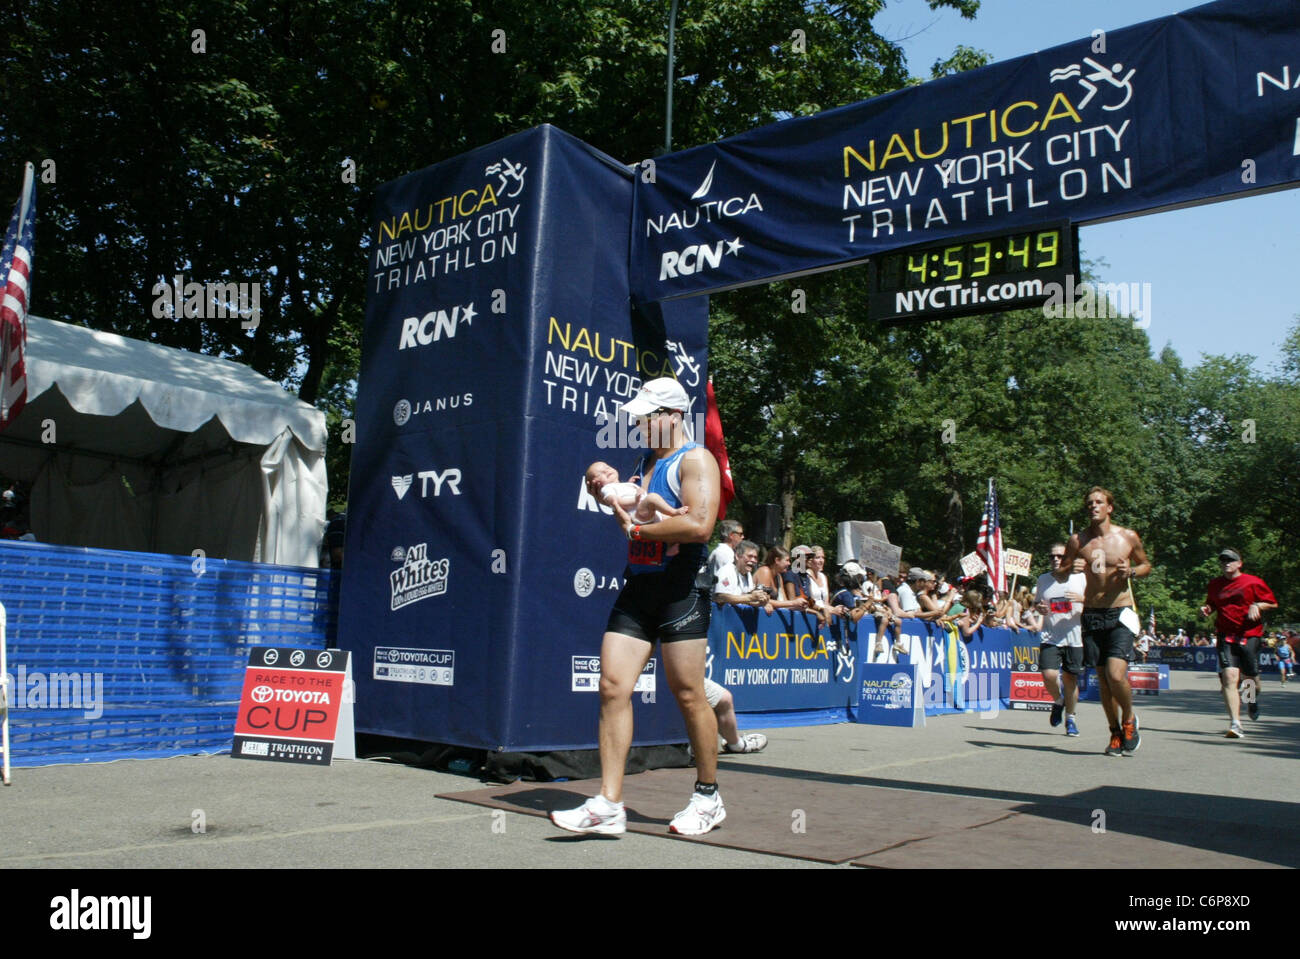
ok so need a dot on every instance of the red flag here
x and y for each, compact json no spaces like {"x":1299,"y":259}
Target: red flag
{"x":716,"y":445}
{"x":15,"y":287}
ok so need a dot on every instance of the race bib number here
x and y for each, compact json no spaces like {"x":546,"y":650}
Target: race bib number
{"x":641,"y":553}
{"x":1061,"y":606}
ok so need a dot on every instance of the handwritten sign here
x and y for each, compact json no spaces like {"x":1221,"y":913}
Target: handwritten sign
{"x":1017,"y":563}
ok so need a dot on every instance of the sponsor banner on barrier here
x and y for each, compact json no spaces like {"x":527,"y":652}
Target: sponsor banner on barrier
{"x":780,"y":660}
{"x":890,"y":695}
{"x":290,"y":707}
{"x":1029,"y":691}
{"x":1144,"y":680}
{"x":1186,"y":657}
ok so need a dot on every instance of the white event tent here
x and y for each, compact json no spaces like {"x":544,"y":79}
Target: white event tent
{"x":131,"y":445}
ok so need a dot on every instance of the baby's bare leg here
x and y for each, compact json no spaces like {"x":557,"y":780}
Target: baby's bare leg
{"x":653,"y":503}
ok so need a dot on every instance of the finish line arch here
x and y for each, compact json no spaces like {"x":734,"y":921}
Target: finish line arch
{"x":517,"y":294}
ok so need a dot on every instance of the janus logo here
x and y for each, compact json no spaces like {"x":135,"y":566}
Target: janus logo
{"x":76,"y":912}
{"x":697,"y":258}
{"x":434,"y":325}
{"x":585,"y":582}
{"x":405,"y":410}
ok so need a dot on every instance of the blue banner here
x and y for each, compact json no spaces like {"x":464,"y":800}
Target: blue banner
{"x":1186,"y":657}
{"x":890,"y":696}
{"x":782,"y":660}
{"x":1188,"y":108}
{"x":499,"y":346}
{"x":958,"y":675}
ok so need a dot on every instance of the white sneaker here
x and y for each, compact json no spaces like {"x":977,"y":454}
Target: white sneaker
{"x":701,"y":815}
{"x":749,"y":743}
{"x":1234,"y":732}
{"x":596,"y":815}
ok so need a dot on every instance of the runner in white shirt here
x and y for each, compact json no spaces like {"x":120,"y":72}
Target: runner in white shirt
{"x":1061,"y":605}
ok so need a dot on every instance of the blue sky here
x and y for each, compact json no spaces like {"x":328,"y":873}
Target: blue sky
{"x":1222,"y":275}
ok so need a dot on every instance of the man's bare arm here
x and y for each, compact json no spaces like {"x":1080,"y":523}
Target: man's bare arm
{"x":1140,"y":566}
{"x":700,"y":485}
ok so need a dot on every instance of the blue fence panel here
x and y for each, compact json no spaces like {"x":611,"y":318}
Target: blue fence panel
{"x":118,"y":655}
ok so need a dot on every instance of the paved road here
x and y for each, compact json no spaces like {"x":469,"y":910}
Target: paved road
{"x":372,"y":814}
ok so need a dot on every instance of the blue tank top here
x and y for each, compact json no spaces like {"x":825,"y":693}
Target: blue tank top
{"x":646,"y":557}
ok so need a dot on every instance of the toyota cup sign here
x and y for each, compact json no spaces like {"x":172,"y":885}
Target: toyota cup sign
{"x":1029,"y":692}
{"x":289,"y":710}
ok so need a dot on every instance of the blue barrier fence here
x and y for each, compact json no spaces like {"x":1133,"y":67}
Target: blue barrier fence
{"x":117,"y":655}
{"x":782,"y":669}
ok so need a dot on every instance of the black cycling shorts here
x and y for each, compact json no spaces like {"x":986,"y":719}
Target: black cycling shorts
{"x":1243,"y":656}
{"x":1105,"y":637}
{"x":664,"y":606}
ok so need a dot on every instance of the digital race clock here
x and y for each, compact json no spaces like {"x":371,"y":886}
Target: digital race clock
{"x":979,"y":274}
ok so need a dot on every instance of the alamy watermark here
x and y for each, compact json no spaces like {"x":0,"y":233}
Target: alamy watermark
{"x":1089,"y":301}
{"x":620,"y":433}
{"x":208,"y":301}
{"x":57,"y":690}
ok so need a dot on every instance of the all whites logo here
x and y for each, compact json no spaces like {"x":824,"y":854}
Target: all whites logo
{"x":448,"y":478}
{"x":405,"y":410}
{"x":418,"y":578}
{"x":434,"y":325}
{"x":708,"y":211}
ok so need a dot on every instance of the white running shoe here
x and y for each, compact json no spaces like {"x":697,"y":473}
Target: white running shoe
{"x":1234,"y":732}
{"x":701,"y":815}
{"x":596,"y":815}
{"x":749,"y":743}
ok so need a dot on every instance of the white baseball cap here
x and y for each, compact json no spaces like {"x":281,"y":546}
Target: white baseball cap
{"x":663,"y":393}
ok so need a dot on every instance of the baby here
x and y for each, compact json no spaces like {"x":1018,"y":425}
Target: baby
{"x":645,"y":508}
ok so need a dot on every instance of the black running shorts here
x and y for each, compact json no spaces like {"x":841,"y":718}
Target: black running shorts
{"x":1243,"y":656}
{"x":664,"y":606}
{"x":1069,"y":658}
{"x":1105,"y":637}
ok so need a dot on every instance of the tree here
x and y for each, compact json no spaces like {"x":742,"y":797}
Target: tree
{"x":232,"y":144}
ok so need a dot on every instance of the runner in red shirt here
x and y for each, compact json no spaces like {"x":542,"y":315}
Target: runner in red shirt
{"x":1241,"y":600}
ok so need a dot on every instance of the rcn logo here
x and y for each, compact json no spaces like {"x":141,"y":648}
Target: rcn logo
{"x":449,"y":477}
{"x":434,"y":325}
{"x":697,"y":258}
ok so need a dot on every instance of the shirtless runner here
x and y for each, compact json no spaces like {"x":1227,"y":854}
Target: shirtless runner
{"x":1108,"y":556}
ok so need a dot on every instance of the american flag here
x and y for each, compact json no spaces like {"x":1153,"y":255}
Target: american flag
{"x":16,"y":275}
{"x":989,"y":545}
